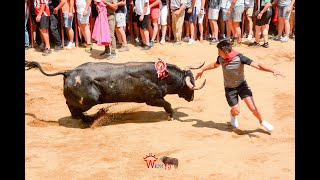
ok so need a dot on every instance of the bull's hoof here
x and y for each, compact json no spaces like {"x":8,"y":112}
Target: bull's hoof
{"x":88,"y":119}
{"x":170,"y":118}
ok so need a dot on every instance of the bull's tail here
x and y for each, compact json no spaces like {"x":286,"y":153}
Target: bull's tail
{"x":34,"y":64}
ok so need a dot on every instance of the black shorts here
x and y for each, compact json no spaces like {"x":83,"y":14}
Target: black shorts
{"x":135,"y":17}
{"x":44,"y":22}
{"x":144,"y":24}
{"x":243,"y":90}
{"x":190,"y":17}
{"x":265,"y":18}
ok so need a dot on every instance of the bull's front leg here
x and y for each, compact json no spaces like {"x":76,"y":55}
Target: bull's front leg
{"x":162,"y":103}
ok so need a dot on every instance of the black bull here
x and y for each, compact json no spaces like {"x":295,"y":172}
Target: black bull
{"x":96,"y":83}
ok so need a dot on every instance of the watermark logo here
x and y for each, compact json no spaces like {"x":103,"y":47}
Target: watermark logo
{"x":167,"y":162}
{"x":150,"y":160}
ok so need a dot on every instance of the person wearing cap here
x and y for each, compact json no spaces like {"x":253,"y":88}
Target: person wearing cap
{"x":235,"y":84}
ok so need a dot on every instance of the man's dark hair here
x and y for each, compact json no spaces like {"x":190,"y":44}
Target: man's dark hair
{"x":225,"y":45}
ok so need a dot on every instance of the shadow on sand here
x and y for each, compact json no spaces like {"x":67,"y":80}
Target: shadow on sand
{"x":103,"y":118}
{"x":219,"y":126}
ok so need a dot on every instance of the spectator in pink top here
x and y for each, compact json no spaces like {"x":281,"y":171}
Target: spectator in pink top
{"x":153,"y":20}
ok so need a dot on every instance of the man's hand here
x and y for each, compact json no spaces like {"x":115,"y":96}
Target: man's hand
{"x":275,"y":73}
{"x":141,"y":17}
{"x":189,"y":10}
{"x":289,"y":9}
{"x":55,"y":11}
{"x":199,"y":74}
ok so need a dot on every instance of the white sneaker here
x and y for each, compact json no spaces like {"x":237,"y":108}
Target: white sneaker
{"x":234,"y":121}
{"x":249,"y":37}
{"x":267,"y":126}
{"x":191,"y":41}
{"x":162,"y":41}
{"x":70,"y":45}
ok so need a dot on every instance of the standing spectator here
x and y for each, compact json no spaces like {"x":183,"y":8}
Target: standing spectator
{"x":54,"y":20}
{"x":236,"y":9}
{"x":101,"y":29}
{"x":224,"y":6}
{"x":213,"y":16}
{"x":68,"y":14}
{"x":153,"y":20}
{"x":43,"y":20}
{"x":163,"y":20}
{"x":292,"y":21}
{"x":248,"y":12}
{"x":285,"y":8}
{"x":111,"y":8}
{"x":143,"y":10}
{"x":177,"y":11}
{"x":135,"y":19}
{"x":83,"y":15}
{"x":35,"y":30}
{"x":221,"y":24}
{"x":200,"y":16}
{"x":120,"y":15}
{"x":26,"y":17}
{"x":189,"y":21}
{"x":264,"y":14}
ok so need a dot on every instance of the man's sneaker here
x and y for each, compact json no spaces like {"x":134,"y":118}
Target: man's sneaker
{"x":191,"y":41}
{"x":57,"y":48}
{"x":119,"y":45}
{"x":84,"y":45}
{"x":106,"y":52}
{"x":41,"y":46}
{"x":112,"y":56}
{"x":151,"y":44}
{"x":235,"y":43}
{"x":214,"y":41}
{"x":265,"y":45}
{"x":267,"y":126}
{"x":234,"y":121}
{"x":185,"y":39}
{"x":70,"y":45}
{"x":249,"y":36}
{"x":146,"y":47}
{"x":137,"y":41}
{"x":124,"y":48}
{"x":222,"y":36}
{"x":162,"y":41}
{"x":88,"y":48}
{"x":285,"y":39}
{"x":177,"y":43}
{"x":46,"y":52}
{"x":276,"y":38}
{"x":254,"y":44}
{"x":291,"y":35}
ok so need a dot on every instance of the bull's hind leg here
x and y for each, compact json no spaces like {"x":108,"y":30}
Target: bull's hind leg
{"x":77,"y":113}
{"x":162,"y":103}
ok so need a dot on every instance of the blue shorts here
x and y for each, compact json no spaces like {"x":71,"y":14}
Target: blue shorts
{"x":67,"y":22}
{"x":282,"y":12}
{"x":190,"y":17}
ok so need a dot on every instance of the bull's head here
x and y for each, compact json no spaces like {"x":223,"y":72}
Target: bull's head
{"x":187,"y":91}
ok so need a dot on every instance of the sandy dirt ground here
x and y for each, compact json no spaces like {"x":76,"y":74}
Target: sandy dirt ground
{"x":200,"y":137}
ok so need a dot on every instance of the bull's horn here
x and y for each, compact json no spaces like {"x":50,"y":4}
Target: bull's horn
{"x":194,"y":67}
{"x":197,"y":88}
{"x":193,"y":87}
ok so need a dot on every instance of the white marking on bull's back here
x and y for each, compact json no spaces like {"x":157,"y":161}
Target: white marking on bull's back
{"x":81,"y":101}
{"x":77,"y":80}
